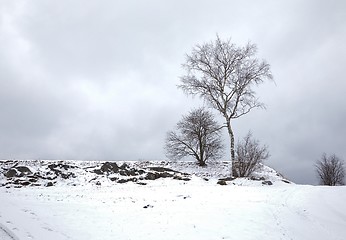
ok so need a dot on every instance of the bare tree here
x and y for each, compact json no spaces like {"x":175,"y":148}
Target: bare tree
{"x":249,"y":156}
{"x":330,"y":170}
{"x":224,"y":74}
{"x":197,"y":135}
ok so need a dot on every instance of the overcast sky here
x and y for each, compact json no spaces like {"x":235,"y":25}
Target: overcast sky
{"x":96,"y":80}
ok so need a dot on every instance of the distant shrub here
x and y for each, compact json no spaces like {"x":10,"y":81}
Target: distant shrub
{"x":330,"y":170}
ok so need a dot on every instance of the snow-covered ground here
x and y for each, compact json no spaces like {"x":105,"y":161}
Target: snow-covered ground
{"x":171,"y":209}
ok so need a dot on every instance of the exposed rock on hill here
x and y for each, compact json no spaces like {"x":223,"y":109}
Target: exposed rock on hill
{"x":52,"y":173}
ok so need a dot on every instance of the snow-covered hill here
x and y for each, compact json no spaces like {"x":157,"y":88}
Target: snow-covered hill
{"x":181,"y":204}
{"x":31,"y":173}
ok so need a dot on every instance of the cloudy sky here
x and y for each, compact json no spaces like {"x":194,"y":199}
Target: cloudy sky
{"x":97,"y":79}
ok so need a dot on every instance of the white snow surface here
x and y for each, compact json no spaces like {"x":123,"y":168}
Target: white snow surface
{"x":170,"y":209}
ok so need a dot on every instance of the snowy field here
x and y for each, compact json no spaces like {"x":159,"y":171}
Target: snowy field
{"x":171,"y":209}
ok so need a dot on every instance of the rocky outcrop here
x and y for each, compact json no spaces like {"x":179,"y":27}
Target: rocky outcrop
{"x":17,"y":171}
{"x":51,"y":173}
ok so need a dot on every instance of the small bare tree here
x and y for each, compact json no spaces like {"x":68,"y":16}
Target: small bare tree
{"x":224,"y":75}
{"x":196,"y":135}
{"x":249,"y":156}
{"x":330,"y":170}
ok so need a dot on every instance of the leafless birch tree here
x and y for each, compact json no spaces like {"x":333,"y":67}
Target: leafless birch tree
{"x":224,"y":75}
{"x":196,"y":135}
{"x":330,"y":170}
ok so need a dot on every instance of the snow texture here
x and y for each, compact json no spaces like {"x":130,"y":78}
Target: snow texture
{"x":166,"y":208}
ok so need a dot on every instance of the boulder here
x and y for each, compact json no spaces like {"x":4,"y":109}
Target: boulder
{"x":24,"y":170}
{"x":267,"y":183}
{"x":49,"y":184}
{"x":124,"y":166}
{"x":18,"y":171}
{"x":98,"y":171}
{"x":109,"y":167}
{"x":11,"y":173}
{"x":151,"y":176}
{"x":25,"y":183}
{"x":222,"y":182}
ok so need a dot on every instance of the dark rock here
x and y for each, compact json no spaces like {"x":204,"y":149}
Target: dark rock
{"x":165,"y":175}
{"x":227,"y":179}
{"x":257,"y":179}
{"x":35,"y":185}
{"x":25,"y":183}
{"x":98,"y":183}
{"x":60,"y":165}
{"x":127,"y":180}
{"x":123,"y":173}
{"x":16,"y":181}
{"x":67,"y":175}
{"x":148,"y":206}
{"x":177,"y":177}
{"x":128,"y":172}
{"x":161,"y":169}
{"x":157,"y":175}
{"x":11,"y":173}
{"x":24,"y":170}
{"x":113,"y":179}
{"x":122,"y":181}
{"x":49,"y":184}
{"x":286,"y":181}
{"x":51,"y":178}
{"x":93,"y":179}
{"x":98,"y":171}
{"x":267,"y":183}
{"x":151,"y":176}
{"x":124,"y":166}
{"x":222,"y":182}
{"x":141,"y":183}
{"x":56,"y":169}
{"x":132,"y":179}
{"x":110,"y":167}
{"x":18,"y":171}
{"x":32,"y":180}
{"x":132,"y":172}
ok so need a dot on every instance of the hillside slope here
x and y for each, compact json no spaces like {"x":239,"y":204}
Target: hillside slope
{"x":169,"y":208}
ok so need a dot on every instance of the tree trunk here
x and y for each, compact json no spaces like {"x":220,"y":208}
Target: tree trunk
{"x":231,"y":137}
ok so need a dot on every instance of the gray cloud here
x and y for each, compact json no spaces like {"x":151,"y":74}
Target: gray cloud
{"x":97,"y":80}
